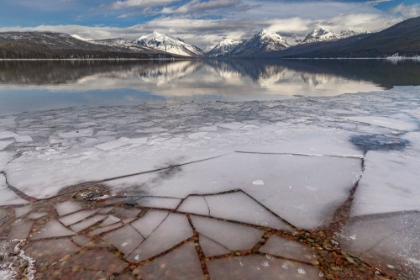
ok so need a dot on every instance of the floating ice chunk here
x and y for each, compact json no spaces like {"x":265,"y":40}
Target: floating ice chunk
{"x":4,"y":144}
{"x":78,"y":216}
{"x":8,"y":197}
{"x":258,"y":183}
{"x":7,"y":134}
{"x":68,"y":207}
{"x":389,"y":184}
{"x":126,"y":239}
{"x":171,"y":232}
{"x":149,"y":222}
{"x":110,"y":220}
{"x":251,"y":267}
{"x":111,"y":145}
{"x":385,"y":239}
{"x":281,"y":247}
{"x":225,"y":206}
{"x":232,"y":236}
{"x":159,"y":202}
{"x":212,"y":248}
{"x":393,"y":123}
{"x":87,"y":223}
{"x":52,"y":229}
{"x":105,"y":229}
{"x":23,"y":138}
{"x":197,"y":135}
{"x":196,"y":205}
{"x":21,"y":211}
{"x":77,"y":133}
{"x":182,"y":263}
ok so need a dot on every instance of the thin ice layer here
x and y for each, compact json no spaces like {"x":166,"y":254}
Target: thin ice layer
{"x":68,"y":207}
{"x":52,"y":229}
{"x":126,"y":239}
{"x":182,"y":263}
{"x":259,"y":267}
{"x":212,"y":248}
{"x":87,"y":223}
{"x":159,"y":202}
{"x":389,"y":183}
{"x":171,"y":232}
{"x":196,"y":205}
{"x":76,"y":217}
{"x":281,"y":247}
{"x":8,"y":197}
{"x":149,"y":222}
{"x":232,"y":236}
{"x":225,"y":206}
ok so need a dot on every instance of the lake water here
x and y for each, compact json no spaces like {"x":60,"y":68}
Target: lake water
{"x":41,"y":85}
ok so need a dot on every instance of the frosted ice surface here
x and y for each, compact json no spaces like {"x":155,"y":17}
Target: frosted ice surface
{"x":4,"y":144}
{"x":21,"y":211}
{"x":68,"y":207}
{"x":182,"y":263}
{"x":104,"y":229}
{"x":20,"y":230}
{"x":87,"y":223}
{"x":400,"y":124}
{"x":4,"y":159}
{"x":197,"y":135}
{"x":212,"y":248}
{"x":8,"y":197}
{"x":232,"y":236}
{"x":212,"y":128}
{"x":52,"y":229}
{"x":99,"y":260}
{"x":196,"y":205}
{"x":259,"y":267}
{"x":389,"y":183}
{"x":46,"y":252}
{"x":281,"y":247}
{"x":240,"y":207}
{"x":149,"y":222}
{"x":232,"y":126}
{"x":77,"y":133}
{"x":126,"y":239}
{"x":105,"y":210}
{"x":78,"y":216}
{"x":258,"y":182}
{"x":382,"y":240}
{"x":159,"y":202}
{"x":172,"y":231}
{"x":109,"y":221}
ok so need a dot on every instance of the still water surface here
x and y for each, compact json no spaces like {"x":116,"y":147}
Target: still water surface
{"x":41,"y":85}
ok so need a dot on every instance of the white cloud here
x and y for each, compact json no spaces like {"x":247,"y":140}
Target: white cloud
{"x":407,"y":11}
{"x":128,"y":4}
{"x":201,"y":6}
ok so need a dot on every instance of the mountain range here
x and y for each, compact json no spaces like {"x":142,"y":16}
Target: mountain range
{"x":402,"y":38}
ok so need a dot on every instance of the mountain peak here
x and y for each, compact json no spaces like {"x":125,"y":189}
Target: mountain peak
{"x":319,"y":34}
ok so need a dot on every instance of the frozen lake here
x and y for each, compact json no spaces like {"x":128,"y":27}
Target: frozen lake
{"x":292,"y":170}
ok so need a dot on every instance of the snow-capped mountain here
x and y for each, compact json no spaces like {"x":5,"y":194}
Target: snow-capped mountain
{"x":168,"y":44}
{"x":224,"y":47}
{"x":264,"y":41}
{"x":350,"y":33}
{"x":120,"y":43}
{"x":319,"y":35}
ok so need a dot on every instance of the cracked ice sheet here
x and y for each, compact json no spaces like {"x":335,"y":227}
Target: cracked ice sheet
{"x":388,"y":241}
{"x":72,"y":167}
{"x":303,"y":190}
{"x":7,"y":196}
{"x":389,"y":183}
{"x":399,"y":122}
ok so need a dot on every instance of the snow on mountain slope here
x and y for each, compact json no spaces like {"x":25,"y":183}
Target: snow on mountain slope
{"x":264,"y":41}
{"x":350,"y":33}
{"x":224,"y":47}
{"x":319,"y":35}
{"x":168,"y":44}
{"x":121,"y":43}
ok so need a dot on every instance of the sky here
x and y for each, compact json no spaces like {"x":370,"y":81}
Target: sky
{"x":202,"y":22}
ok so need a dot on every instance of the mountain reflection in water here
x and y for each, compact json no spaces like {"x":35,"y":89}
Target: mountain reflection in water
{"x":38,"y":85}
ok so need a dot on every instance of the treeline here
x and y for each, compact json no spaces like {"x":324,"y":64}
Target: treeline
{"x":18,"y":50}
